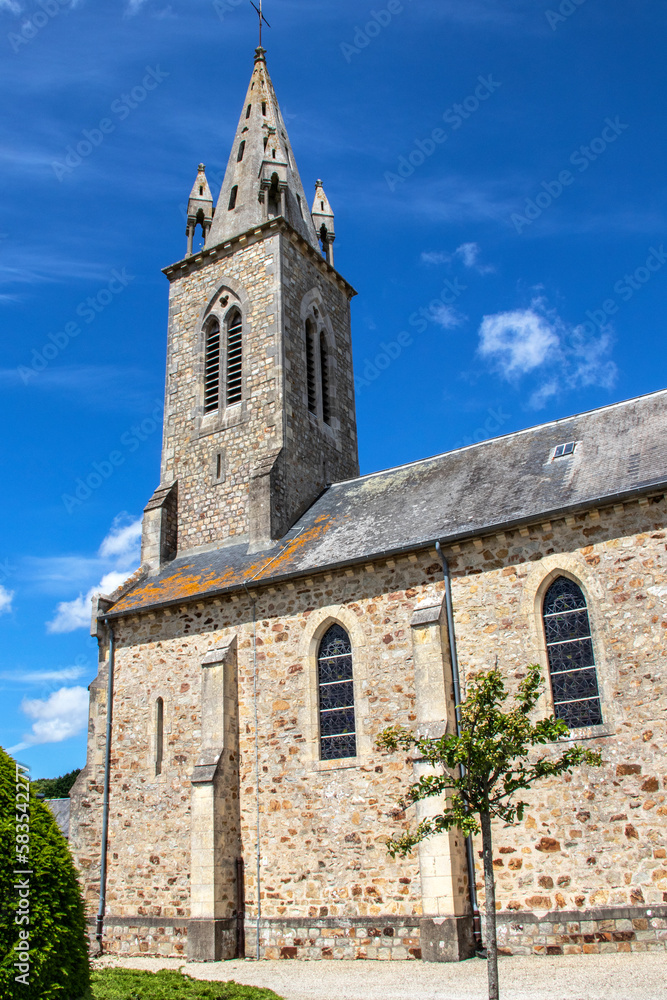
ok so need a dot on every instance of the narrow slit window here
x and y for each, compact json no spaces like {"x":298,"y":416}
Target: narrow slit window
{"x":248,"y":110}
{"x":574,"y":681}
{"x":264,"y":108}
{"x":310,"y":367}
{"x":266,"y":142}
{"x":336,"y":696}
{"x":212,"y":368}
{"x":274,"y":153}
{"x":234,"y":358}
{"x":241,"y":151}
{"x":324,"y":374}
{"x":201,"y":188}
{"x":233,"y":196}
{"x":159,"y":735}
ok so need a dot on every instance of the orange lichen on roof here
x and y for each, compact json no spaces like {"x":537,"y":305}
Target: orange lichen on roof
{"x":187,"y":581}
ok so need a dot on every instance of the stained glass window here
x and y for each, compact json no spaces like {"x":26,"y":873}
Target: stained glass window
{"x":574,"y":681}
{"x":336,"y":693}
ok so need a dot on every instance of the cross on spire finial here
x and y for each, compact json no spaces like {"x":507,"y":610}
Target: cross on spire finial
{"x":260,"y":14}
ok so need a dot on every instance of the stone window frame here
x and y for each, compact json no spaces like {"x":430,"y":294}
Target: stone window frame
{"x":318,"y":624}
{"x":225,"y":416}
{"x":313,"y":310}
{"x":155,"y":695}
{"x":539,"y":579}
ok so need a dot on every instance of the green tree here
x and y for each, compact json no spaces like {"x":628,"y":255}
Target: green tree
{"x":41,"y":909}
{"x":56,"y":788}
{"x":481,"y":770}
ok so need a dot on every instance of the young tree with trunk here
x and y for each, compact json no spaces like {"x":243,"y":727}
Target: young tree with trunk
{"x":481,"y":771}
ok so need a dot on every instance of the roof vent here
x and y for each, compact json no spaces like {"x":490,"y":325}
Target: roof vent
{"x":565,"y":449}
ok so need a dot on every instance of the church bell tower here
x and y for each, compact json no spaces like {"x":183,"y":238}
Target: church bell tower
{"x":259,"y":406}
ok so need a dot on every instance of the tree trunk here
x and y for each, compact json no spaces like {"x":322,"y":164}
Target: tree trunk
{"x":490,"y":887}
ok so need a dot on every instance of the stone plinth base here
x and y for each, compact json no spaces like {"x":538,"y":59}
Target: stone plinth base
{"x":447,"y":939}
{"x":573,"y":932}
{"x":212,"y":940}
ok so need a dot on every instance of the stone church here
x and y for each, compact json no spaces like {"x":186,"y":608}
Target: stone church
{"x":287,"y":610}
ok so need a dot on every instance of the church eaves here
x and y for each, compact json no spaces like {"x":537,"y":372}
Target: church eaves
{"x":262,"y":180}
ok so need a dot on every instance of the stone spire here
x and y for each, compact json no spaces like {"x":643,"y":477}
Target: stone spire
{"x":323,"y":220}
{"x":200,"y":207}
{"x":262,"y":180}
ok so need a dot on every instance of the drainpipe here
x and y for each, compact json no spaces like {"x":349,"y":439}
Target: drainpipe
{"x":105,"y":801}
{"x":470,"y":857}
{"x":256,"y":711}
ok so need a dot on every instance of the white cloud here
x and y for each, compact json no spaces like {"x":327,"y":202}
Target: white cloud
{"x":467,"y":253}
{"x":117,"y":559}
{"x":123,"y":541}
{"x":11,"y":5}
{"x":446,"y":316}
{"x":6,"y":597}
{"x":71,"y":615}
{"x":435,"y":257}
{"x":537,"y":341}
{"x":134,"y":6}
{"x":518,"y":342}
{"x":43,"y":676}
{"x":62,"y":715}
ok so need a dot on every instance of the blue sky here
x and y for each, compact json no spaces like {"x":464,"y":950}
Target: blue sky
{"x":497,"y":172}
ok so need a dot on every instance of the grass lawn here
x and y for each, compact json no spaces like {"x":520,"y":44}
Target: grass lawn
{"x":128,"y":984}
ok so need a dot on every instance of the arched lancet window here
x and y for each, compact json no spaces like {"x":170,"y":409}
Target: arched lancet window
{"x":234,"y":358}
{"x":336,"y":695}
{"x":212,"y":367}
{"x":232,"y":197}
{"x":571,"y":659}
{"x":159,"y":735}
{"x":324,"y":372}
{"x":310,"y":366}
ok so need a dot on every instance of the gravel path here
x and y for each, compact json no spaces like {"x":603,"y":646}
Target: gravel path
{"x":580,"y":977}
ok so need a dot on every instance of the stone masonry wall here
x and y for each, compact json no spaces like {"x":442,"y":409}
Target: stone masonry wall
{"x":266,"y":278}
{"x":591,"y":842}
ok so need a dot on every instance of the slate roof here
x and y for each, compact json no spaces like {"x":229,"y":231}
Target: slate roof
{"x":61,"y":810}
{"x":621,"y":453}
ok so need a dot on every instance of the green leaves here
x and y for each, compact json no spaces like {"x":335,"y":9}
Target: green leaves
{"x":492,"y":759}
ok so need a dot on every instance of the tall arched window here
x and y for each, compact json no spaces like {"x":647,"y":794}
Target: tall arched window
{"x":324,"y":372}
{"x":212,"y":367}
{"x":234,"y":358}
{"x":159,"y":735}
{"x":336,"y":695}
{"x":571,"y":659}
{"x":310,"y":367}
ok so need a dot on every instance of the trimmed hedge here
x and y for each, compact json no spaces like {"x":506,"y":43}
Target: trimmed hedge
{"x":129,"y":984}
{"x":58,"y":944}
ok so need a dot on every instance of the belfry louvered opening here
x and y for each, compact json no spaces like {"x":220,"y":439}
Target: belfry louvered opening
{"x":311,"y":383}
{"x":574,"y":682}
{"x":324,"y":373}
{"x":336,"y":695}
{"x":234,"y":358}
{"x":212,"y":368}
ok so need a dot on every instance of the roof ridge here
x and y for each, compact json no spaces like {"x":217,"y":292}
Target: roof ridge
{"x":500,"y":437}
